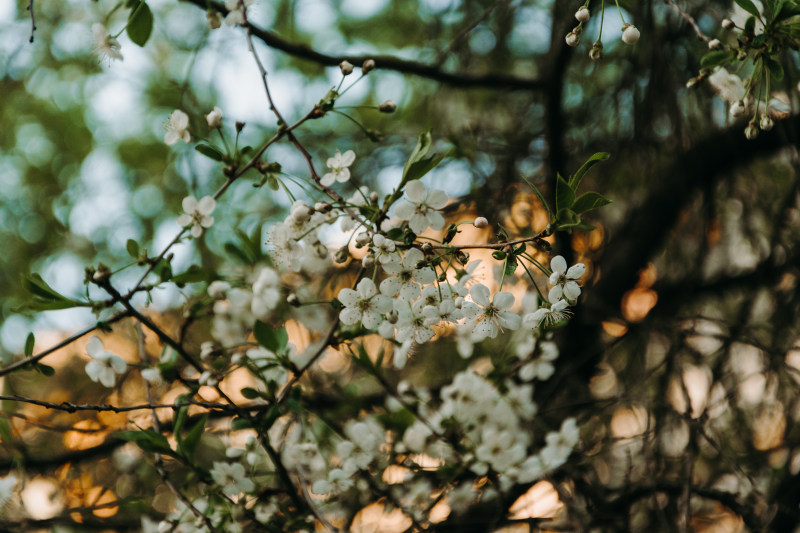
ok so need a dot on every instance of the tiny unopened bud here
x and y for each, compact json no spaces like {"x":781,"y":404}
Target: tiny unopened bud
{"x":737,"y":108}
{"x":101,"y":273}
{"x":573,"y":38}
{"x":387,"y":107}
{"x":341,"y":255}
{"x":237,"y":358}
{"x":367,"y":65}
{"x":727,"y":24}
{"x":462,"y":257}
{"x":751,"y":131}
{"x":691,"y":83}
{"x":630,"y":34}
{"x":368,"y":261}
{"x":239,"y":126}
{"x":480,"y":222}
{"x":346,"y":67}
{"x":293,"y":300}
{"x":766,"y":123}
{"x":596,"y":53}
{"x":214,"y":19}
{"x":362,"y":239}
{"x":392,"y":316}
{"x":714,"y":44}
{"x":582,"y":15}
{"x":442,"y":278}
{"x":373,"y":197}
{"x":322,"y":207}
{"x":214,"y":118}
{"x":427,"y":247}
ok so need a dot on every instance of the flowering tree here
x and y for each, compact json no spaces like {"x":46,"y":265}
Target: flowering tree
{"x":392,"y":348}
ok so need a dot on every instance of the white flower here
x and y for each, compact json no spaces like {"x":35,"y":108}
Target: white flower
{"x":406,"y":277}
{"x":214,"y":118}
{"x":564,"y":281}
{"x":231,"y":478}
{"x":236,"y":9}
{"x":714,"y":44}
{"x":412,"y":326}
{"x":197,"y":214}
{"x":384,"y":248}
{"x":152,"y":376}
{"x":729,"y":87}
{"x":486,"y":315}
{"x":105,"y":46}
{"x":7,"y":485}
{"x":421,"y":207}
{"x":338,"y":164}
{"x":363,"y":305}
{"x":266,"y":292}
{"x":104,"y":365}
{"x":547,"y":315}
{"x":178,"y":128}
{"x":630,"y":34}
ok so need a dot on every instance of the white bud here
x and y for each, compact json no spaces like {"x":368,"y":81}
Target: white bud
{"x":751,"y":131}
{"x":727,"y":24}
{"x":573,"y":38}
{"x":480,"y":222}
{"x":737,"y":108}
{"x":368,"y":65}
{"x":387,"y":107}
{"x":346,"y":67}
{"x":214,"y":118}
{"x":583,"y":14}
{"x":766,"y":123}
{"x":714,"y":44}
{"x":630,"y":34}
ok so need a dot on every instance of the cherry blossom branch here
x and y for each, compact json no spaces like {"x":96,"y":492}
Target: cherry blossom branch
{"x":33,"y":19}
{"x":688,"y":18}
{"x":66,"y":342}
{"x":73,"y":407}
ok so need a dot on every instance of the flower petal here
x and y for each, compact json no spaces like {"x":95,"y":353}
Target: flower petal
{"x":416,"y":191}
{"x":558,"y":264}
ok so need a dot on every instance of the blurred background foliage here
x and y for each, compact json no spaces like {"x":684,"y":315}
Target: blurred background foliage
{"x":693,"y":268}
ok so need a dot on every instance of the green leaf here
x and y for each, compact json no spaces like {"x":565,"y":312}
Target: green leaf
{"x":576,"y":178}
{"x":510,"y":266}
{"x":420,"y":151}
{"x":748,"y":6}
{"x":133,"y":248}
{"x":567,"y":218}
{"x":180,"y":419}
{"x":188,"y":445}
{"x":47,"y":370}
{"x":715,"y":58}
{"x":35,"y":285}
{"x":774,"y":68}
{"x":250,"y":393}
{"x":148,"y":440}
{"x":209,"y":151}
{"x":564,"y":194}
{"x":274,"y":340}
{"x":541,"y":197}
{"x":241,"y":423}
{"x":194,"y":274}
{"x":589,"y":201}
{"x":422,"y":167}
{"x":140,"y":24}
{"x":238,"y":253}
{"x":6,"y":436}
{"x":750,"y":26}
{"x":29,"y":345}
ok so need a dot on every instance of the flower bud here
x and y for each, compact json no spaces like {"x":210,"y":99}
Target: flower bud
{"x":766,"y":123}
{"x":751,"y":131}
{"x":727,"y":24}
{"x":239,"y":126}
{"x":596,"y":53}
{"x":573,"y":38}
{"x":341,"y":255}
{"x":292,"y":300}
{"x":480,"y":222}
{"x":737,"y":108}
{"x":214,"y":118}
{"x":582,"y":15}
{"x":346,"y":67}
{"x":214,"y":19}
{"x":630,"y":34}
{"x":367,"y":66}
{"x":368,"y":261}
{"x":427,"y":247}
{"x":373,"y":197}
{"x":387,"y":107}
{"x":362,"y":239}
{"x":714,"y":44}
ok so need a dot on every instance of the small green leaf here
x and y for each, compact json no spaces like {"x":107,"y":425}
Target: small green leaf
{"x":565,"y":196}
{"x":209,"y":151}
{"x":510,"y":266}
{"x":274,"y":340}
{"x":6,"y":436}
{"x":47,"y":370}
{"x":394,"y":234}
{"x":29,"y":345}
{"x":180,"y":419}
{"x":148,"y":440}
{"x":774,"y":68}
{"x":133,"y":248}
{"x":589,"y":201}
{"x":567,"y":218}
{"x":541,"y":197}
{"x":420,"y":151}
{"x":241,"y":423}
{"x":250,"y":393}
{"x":188,"y":445}
{"x":715,"y":58}
{"x":748,"y":6}
{"x":576,"y":178}
{"x":194,"y":274}
{"x":499,"y":255}
{"x":140,"y":24}
{"x":419,"y":168}
{"x":750,"y":26}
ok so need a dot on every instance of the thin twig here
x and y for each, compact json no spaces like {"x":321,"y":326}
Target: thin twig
{"x":33,"y":19}
{"x":688,"y":18}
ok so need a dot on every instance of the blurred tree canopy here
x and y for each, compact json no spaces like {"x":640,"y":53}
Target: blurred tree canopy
{"x":687,"y":336}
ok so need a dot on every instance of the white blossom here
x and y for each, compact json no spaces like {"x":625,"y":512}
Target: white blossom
{"x":177,"y":128}
{"x":105,"y":46}
{"x":486,"y":316}
{"x":236,"y":11}
{"x":197,"y":214}
{"x":339,"y":168}
{"x":232,"y":478}
{"x":564,"y":280}
{"x":266,"y":292}
{"x":421,"y":207}
{"x":7,"y":485}
{"x":104,"y":365}
{"x":363,"y":305}
{"x":547,"y":315}
{"x":406,"y":277}
{"x":214,"y":118}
